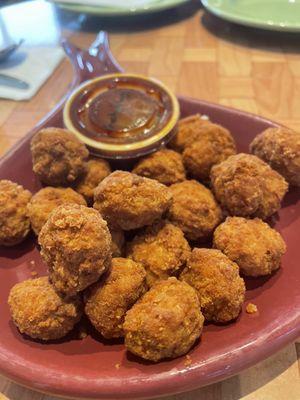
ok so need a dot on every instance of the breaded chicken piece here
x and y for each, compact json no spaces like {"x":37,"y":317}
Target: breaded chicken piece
{"x":165,"y":322}
{"x":194,"y":210}
{"x":280,"y":148}
{"x":216,"y":278}
{"x":117,"y":242}
{"x":39,"y":312}
{"x":248,"y":187}
{"x":251,"y":243}
{"x":128,"y":201}
{"x":210,"y":146}
{"x":58,"y":157}
{"x":165,"y":166}
{"x":108,"y":301}
{"x":188,"y":129}
{"x":76,"y":246}
{"x":14,"y":219}
{"x":46,"y":200}
{"x":161,"y":249}
{"x":96,"y":170}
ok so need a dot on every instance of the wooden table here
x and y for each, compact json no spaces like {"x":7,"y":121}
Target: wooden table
{"x":196,"y":55}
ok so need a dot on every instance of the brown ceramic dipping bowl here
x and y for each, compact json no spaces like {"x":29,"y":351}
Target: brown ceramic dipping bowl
{"x":122,"y":116}
{"x":94,"y":368}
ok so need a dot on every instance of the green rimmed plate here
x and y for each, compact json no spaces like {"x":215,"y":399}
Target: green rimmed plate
{"x":279,"y":15}
{"x":149,"y":7}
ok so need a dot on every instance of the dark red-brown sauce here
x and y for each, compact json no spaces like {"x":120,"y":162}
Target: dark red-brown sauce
{"x":121,"y":110}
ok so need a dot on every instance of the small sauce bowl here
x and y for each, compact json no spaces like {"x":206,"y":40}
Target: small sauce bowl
{"x":122,"y":116}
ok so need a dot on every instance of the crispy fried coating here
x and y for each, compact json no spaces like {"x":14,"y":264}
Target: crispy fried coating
{"x":107,"y":302}
{"x":14,"y":219}
{"x":39,"y":312}
{"x":76,"y":246}
{"x":251,"y":243}
{"x":248,"y":187}
{"x":117,"y":242}
{"x":251,"y":308}
{"x":280,"y":148}
{"x":45,"y":200}
{"x":96,"y":171}
{"x":194,"y":210}
{"x":165,"y":166}
{"x":188,"y":129}
{"x":219,"y":286}
{"x":161,"y":249}
{"x":58,"y":157}
{"x":210,"y":146}
{"x":128,"y":201}
{"x":165,"y":322}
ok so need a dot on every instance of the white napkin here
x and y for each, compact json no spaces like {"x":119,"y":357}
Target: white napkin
{"x":110,"y":3}
{"x":33,"y":65}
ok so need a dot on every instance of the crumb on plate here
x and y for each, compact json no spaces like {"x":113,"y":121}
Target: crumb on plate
{"x":188,"y":360}
{"x":82,"y":334}
{"x":251,"y":308}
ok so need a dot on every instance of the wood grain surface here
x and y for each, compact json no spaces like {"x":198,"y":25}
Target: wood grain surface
{"x":197,"y":55}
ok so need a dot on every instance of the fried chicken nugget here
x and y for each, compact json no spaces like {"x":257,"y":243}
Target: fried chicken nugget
{"x":216,"y":278}
{"x":46,"y":200}
{"x":76,"y":246}
{"x":96,"y":171}
{"x":107,"y":302}
{"x":194,"y":210}
{"x":128,"y":201}
{"x":248,"y":187}
{"x":251,"y":243}
{"x":165,"y":322}
{"x":188,"y":129}
{"x":280,"y":148}
{"x":58,"y":157}
{"x":165,"y":166}
{"x":161,"y":249}
{"x":14,"y":219}
{"x":39,"y":312}
{"x":210,"y":146}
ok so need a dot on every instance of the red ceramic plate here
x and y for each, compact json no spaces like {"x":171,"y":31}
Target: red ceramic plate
{"x":88,"y":368}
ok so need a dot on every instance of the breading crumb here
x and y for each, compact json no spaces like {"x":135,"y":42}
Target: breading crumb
{"x":32,"y":263}
{"x":82,"y":334}
{"x":188,"y":360}
{"x":251,"y":308}
{"x":117,"y":366}
{"x":33,"y":273}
